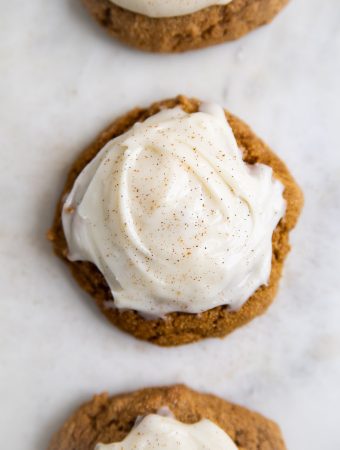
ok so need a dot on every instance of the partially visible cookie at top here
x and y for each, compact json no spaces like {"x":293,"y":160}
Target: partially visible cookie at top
{"x":176,"y":221}
{"x":180,"y":25}
{"x":158,"y":416}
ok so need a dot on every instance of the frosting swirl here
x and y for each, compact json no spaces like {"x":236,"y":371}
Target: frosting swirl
{"x":173,"y":217}
{"x":157,"y":432}
{"x":167,"y":8}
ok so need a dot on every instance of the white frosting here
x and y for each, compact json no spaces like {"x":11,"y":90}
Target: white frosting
{"x":155,"y":432}
{"x":173,"y":217}
{"x":167,"y":8}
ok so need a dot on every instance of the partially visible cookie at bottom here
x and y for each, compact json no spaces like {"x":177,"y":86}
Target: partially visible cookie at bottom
{"x":107,"y":419}
{"x":209,"y":26}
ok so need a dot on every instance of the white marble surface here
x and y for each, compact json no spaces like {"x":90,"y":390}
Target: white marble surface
{"x":61,"y":81}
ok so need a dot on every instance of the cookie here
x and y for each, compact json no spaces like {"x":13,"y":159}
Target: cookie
{"x":202,"y":28}
{"x":178,"y":327}
{"x":108,"y":419}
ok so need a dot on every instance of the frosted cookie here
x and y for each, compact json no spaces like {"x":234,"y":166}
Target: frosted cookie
{"x":176,"y":222}
{"x":167,"y":418}
{"x":179,"y":25}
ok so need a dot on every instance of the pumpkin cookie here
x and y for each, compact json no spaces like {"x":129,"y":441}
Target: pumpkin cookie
{"x":177,"y":26}
{"x":176,"y":221}
{"x":109,"y":420}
